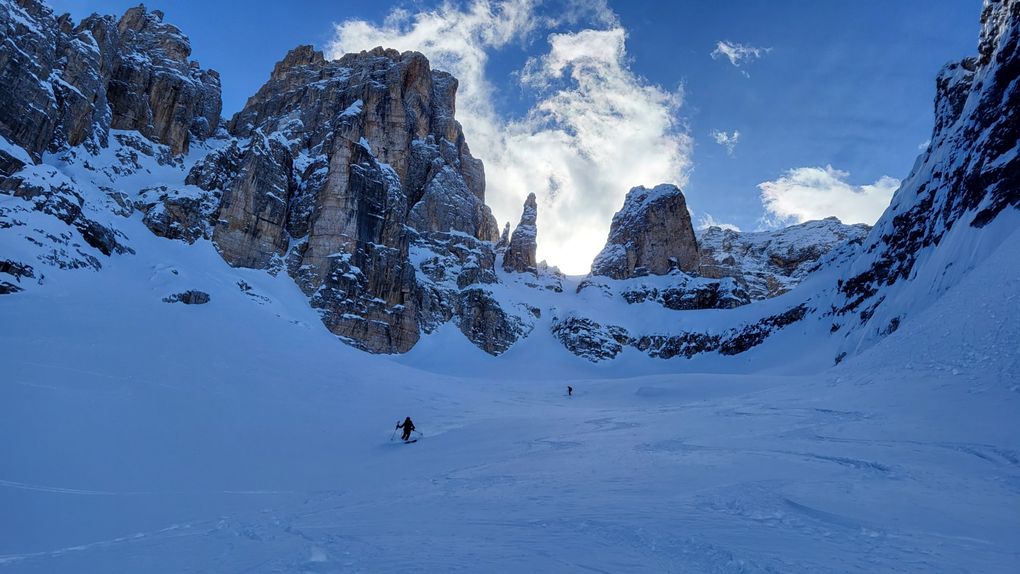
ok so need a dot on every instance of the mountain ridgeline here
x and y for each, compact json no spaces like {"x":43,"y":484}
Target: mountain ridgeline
{"x":354,"y":178}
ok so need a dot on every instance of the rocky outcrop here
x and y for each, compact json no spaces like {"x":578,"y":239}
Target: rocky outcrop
{"x":504,"y":238}
{"x":594,"y":342}
{"x":51,"y":193}
{"x":486,"y":324}
{"x":588,"y":339}
{"x":520,"y":252}
{"x":189,"y":297}
{"x":766,"y":264}
{"x":182,"y":214}
{"x":16,"y":271}
{"x":63,"y":84}
{"x":345,"y":160}
{"x":652,"y":234}
{"x":688,"y":293}
{"x":453,"y":271}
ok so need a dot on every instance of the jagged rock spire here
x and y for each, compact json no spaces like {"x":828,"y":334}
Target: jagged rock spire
{"x":520,"y":255}
{"x":504,"y":238}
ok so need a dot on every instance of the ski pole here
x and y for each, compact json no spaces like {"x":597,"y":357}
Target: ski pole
{"x":394,"y":431}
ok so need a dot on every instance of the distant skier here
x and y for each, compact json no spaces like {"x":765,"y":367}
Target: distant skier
{"x":570,"y":391}
{"x":408,"y":426}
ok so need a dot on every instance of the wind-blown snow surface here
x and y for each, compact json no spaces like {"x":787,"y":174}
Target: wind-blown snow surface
{"x":240,"y":436}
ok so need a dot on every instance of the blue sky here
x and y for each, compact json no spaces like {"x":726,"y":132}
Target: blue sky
{"x":580,"y":101}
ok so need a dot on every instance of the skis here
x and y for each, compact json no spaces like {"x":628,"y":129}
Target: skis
{"x":409,"y":441}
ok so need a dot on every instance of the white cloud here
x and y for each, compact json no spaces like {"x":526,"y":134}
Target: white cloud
{"x":595,"y":129}
{"x":738,"y":54}
{"x":809,"y":193}
{"x":728,"y":141}
{"x":706,"y":221}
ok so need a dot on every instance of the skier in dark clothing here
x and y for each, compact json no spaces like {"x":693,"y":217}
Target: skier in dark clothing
{"x":570,"y":391}
{"x":408,"y":426}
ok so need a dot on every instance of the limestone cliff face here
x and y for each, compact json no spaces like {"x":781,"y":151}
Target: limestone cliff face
{"x":346,"y":162}
{"x":652,"y":234}
{"x":63,"y":84}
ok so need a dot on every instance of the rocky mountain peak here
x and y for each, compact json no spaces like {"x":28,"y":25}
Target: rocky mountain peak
{"x":343,"y":165}
{"x":304,"y":55}
{"x":651,"y":234}
{"x":138,"y":26}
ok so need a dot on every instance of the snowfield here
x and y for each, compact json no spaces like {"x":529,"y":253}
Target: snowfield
{"x":241,"y":436}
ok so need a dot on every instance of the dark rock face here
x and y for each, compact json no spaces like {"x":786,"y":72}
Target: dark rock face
{"x":594,"y":342}
{"x":65,"y":85}
{"x":176,"y":214}
{"x":652,"y":234}
{"x":486,"y":324}
{"x":189,"y":297}
{"x":452,"y":272}
{"x":689,"y":293}
{"x":588,"y":339}
{"x":968,"y":175}
{"x":17,"y":271}
{"x":250,"y":227}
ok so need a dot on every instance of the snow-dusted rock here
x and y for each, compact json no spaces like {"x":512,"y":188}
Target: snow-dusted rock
{"x":686,"y":293}
{"x":343,"y":160}
{"x":178,"y":213}
{"x":63,"y":84}
{"x":588,"y":339}
{"x":519,"y":256}
{"x":14,"y":270}
{"x":596,"y":342}
{"x":51,"y":193}
{"x":504,"y":238}
{"x":652,"y":234}
{"x":189,"y":297}
{"x":769,"y":263}
{"x":155,"y":89}
{"x":485,"y":322}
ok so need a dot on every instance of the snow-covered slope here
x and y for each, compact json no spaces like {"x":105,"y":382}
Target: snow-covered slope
{"x":238,"y":436}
